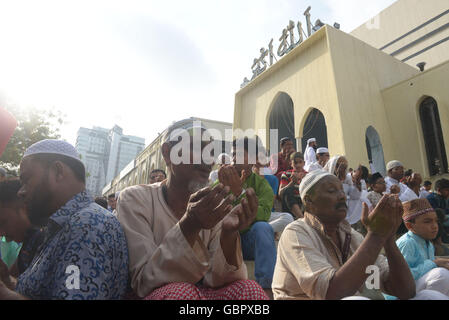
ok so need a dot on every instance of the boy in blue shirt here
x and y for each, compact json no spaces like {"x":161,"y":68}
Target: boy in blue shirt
{"x":422,"y":222}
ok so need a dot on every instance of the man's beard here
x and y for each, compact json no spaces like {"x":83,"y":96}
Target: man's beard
{"x":38,"y":208}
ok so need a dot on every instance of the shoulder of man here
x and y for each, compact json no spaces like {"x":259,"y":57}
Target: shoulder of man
{"x":95,"y":224}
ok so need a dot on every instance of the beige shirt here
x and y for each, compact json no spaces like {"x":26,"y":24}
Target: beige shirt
{"x":308,"y":259}
{"x":159,"y":254}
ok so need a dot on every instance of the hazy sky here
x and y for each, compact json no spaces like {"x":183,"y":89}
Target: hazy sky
{"x":144,"y":64}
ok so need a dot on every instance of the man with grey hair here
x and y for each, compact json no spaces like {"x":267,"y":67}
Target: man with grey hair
{"x":183,"y":237}
{"x":395,"y":171}
{"x":322,"y":257}
{"x":84,"y":253}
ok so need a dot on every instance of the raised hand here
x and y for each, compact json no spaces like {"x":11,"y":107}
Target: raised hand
{"x":395,"y":189}
{"x":385,"y":218}
{"x":243,"y":215}
{"x":208,"y":207}
{"x":228,"y":176}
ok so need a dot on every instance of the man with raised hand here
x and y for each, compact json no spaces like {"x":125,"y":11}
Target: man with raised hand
{"x":183,"y":236}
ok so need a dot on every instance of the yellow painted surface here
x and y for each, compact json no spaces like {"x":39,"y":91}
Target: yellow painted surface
{"x":402,"y":102}
{"x":402,"y":17}
{"x":361,"y":72}
{"x":355,"y":86}
{"x":305,"y":74}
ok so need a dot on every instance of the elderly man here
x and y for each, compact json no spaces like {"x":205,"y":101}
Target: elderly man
{"x":322,"y":157}
{"x":395,"y":171}
{"x":321,"y":257}
{"x":84,"y":253}
{"x":310,"y":154}
{"x":280,"y":162}
{"x":183,"y":236}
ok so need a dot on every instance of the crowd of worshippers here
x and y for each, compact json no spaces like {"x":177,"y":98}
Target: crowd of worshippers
{"x":312,"y":226}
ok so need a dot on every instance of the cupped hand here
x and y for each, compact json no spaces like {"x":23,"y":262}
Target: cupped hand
{"x":243,"y":215}
{"x":207,"y":207}
{"x":228,"y":176}
{"x":385,"y":219}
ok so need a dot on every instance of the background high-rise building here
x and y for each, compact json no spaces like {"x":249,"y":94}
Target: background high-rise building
{"x":124,"y":149}
{"x":105,"y":152}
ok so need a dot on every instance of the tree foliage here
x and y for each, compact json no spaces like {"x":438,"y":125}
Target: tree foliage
{"x":33,"y":125}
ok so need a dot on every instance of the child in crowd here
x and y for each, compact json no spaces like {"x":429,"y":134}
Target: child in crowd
{"x":289,"y":186}
{"x":416,"y":246}
{"x":378,"y":187}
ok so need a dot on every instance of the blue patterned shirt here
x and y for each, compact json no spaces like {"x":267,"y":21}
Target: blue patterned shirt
{"x":84,"y":255}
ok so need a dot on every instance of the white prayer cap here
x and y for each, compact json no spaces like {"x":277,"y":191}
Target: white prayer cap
{"x":322,"y":150}
{"x":177,"y":129}
{"x":393,"y":164}
{"x":311,"y":140}
{"x":311,"y":179}
{"x":53,"y":146}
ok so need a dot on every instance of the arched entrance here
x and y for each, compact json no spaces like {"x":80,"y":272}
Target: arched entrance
{"x":314,"y":127}
{"x":433,"y":137}
{"x":375,"y":151}
{"x":282,"y":118}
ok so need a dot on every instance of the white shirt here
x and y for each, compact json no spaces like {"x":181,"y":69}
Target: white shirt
{"x":313,"y":166}
{"x":423,"y":193}
{"x":408,"y":195}
{"x":310,"y":156}
{"x":390,"y":182}
{"x":354,"y":199}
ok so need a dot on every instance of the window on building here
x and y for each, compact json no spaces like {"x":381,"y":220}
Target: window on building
{"x":433,"y":137}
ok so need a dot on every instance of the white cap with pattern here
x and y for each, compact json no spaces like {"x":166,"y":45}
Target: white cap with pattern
{"x":53,"y":146}
{"x":311,"y":140}
{"x":310,"y":180}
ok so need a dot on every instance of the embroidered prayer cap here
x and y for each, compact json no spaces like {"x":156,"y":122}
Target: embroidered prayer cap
{"x":310,"y":180}
{"x":178,"y":129}
{"x":53,"y":146}
{"x":394,"y":164}
{"x":416,"y":208}
{"x":322,"y":150}
{"x":311,"y":140}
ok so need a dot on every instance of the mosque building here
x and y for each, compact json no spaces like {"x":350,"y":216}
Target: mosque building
{"x":377,"y":94}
